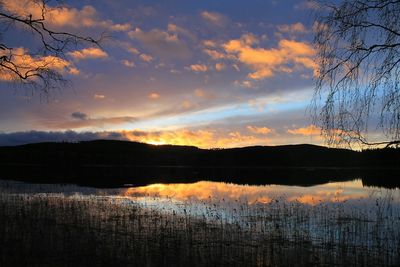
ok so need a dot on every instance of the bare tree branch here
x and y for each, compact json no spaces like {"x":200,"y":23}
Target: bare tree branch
{"x":357,"y":85}
{"x":43,"y":71}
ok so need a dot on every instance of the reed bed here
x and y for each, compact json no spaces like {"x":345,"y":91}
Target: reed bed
{"x":53,"y":229}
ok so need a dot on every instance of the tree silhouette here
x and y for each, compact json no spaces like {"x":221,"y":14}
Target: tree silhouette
{"x":358,"y":80}
{"x":44,"y":69}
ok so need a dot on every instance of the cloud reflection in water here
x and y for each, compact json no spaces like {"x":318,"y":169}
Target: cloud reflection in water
{"x":251,"y":194}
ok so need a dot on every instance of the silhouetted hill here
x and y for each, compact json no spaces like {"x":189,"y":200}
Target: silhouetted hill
{"x":106,"y":152}
{"x":120,"y":161}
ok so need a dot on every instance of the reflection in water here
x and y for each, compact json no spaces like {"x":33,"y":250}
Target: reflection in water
{"x":223,"y":199}
{"x":217,"y":191}
{"x":239,"y":223}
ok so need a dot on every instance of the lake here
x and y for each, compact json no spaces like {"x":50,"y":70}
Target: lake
{"x":204,"y":223}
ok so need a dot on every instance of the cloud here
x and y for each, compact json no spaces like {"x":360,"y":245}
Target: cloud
{"x":249,"y":39}
{"x":186,"y":104}
{"x":88,"y":53}
{"x":20,"y":138}
{"x":203,"y":94}
{"x":161,"y":43}
{"x":62,"y":15}
{"x":174,"y":71}
{"x":173,"y":28}
{"x":99,"y":96}
{"x":258,"y":104}
{"x":306,"y":131}
{"x":199,"y":92}
{"x":292,"y":28}
{"x":127,"y":63}
{"x":146,"y":58}
{"x":132,"y":50}
{"x":214,"y":18}
{"x":238,"y":136}
{"x":244,"y":84}
{"x":199,"y":138}
{"x":79,"y":115}
{"x":127,"y":46}
{"x":83,"y":120}
{"x":220,"y":66}
{"x":198,"y":68}
{"x":290,"y":55}
{"x":154,"y":96}
{"x":209,"y":43}
{"x":259,"y":130}
{"x":214,"y":54}
{"x":22,"y":61}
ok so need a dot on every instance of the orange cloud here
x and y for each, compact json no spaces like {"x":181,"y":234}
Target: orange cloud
{"x":220,"y":66}
{"x":127,"y":47}
{"x":199,"y":138}
{"x":88,"y":53}
{"x":306,"y":131}
{"x":209,"y":43}
{"x":27,"y":64}
{"x":154,"y":96}
{"x":62,"y":15}
{"x":249,"y":39}
{"x":146,"y":58}
{"x":289,"y":55}
{"x":214,"y":18}
{"x":292,"y":28}
{"x":259,"y":130}
{"x":214,"y":54}
{"x":198,"y":68}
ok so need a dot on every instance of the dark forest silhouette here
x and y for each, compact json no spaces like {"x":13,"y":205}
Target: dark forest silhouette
{"x":114,"y":163}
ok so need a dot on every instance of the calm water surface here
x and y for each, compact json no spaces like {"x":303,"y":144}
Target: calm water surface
{"x":332,"y":224}
{"x":196,"y":198}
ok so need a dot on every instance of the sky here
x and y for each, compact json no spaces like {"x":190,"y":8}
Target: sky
{"x":211,"y":73}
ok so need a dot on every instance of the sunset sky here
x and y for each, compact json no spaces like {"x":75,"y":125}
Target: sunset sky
{"x":208,"y":73}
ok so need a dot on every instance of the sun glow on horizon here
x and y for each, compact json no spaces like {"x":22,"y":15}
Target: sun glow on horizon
{"x":156,"y":143}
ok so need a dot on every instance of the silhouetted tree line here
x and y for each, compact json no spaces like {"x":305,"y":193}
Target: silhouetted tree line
{"x":105,"y":163}
{"x":133,"y":153}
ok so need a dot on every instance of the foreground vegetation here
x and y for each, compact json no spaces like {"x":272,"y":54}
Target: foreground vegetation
{"x":93,"y":230}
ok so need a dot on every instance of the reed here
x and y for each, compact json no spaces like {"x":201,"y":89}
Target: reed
{"x":56,"y":229}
